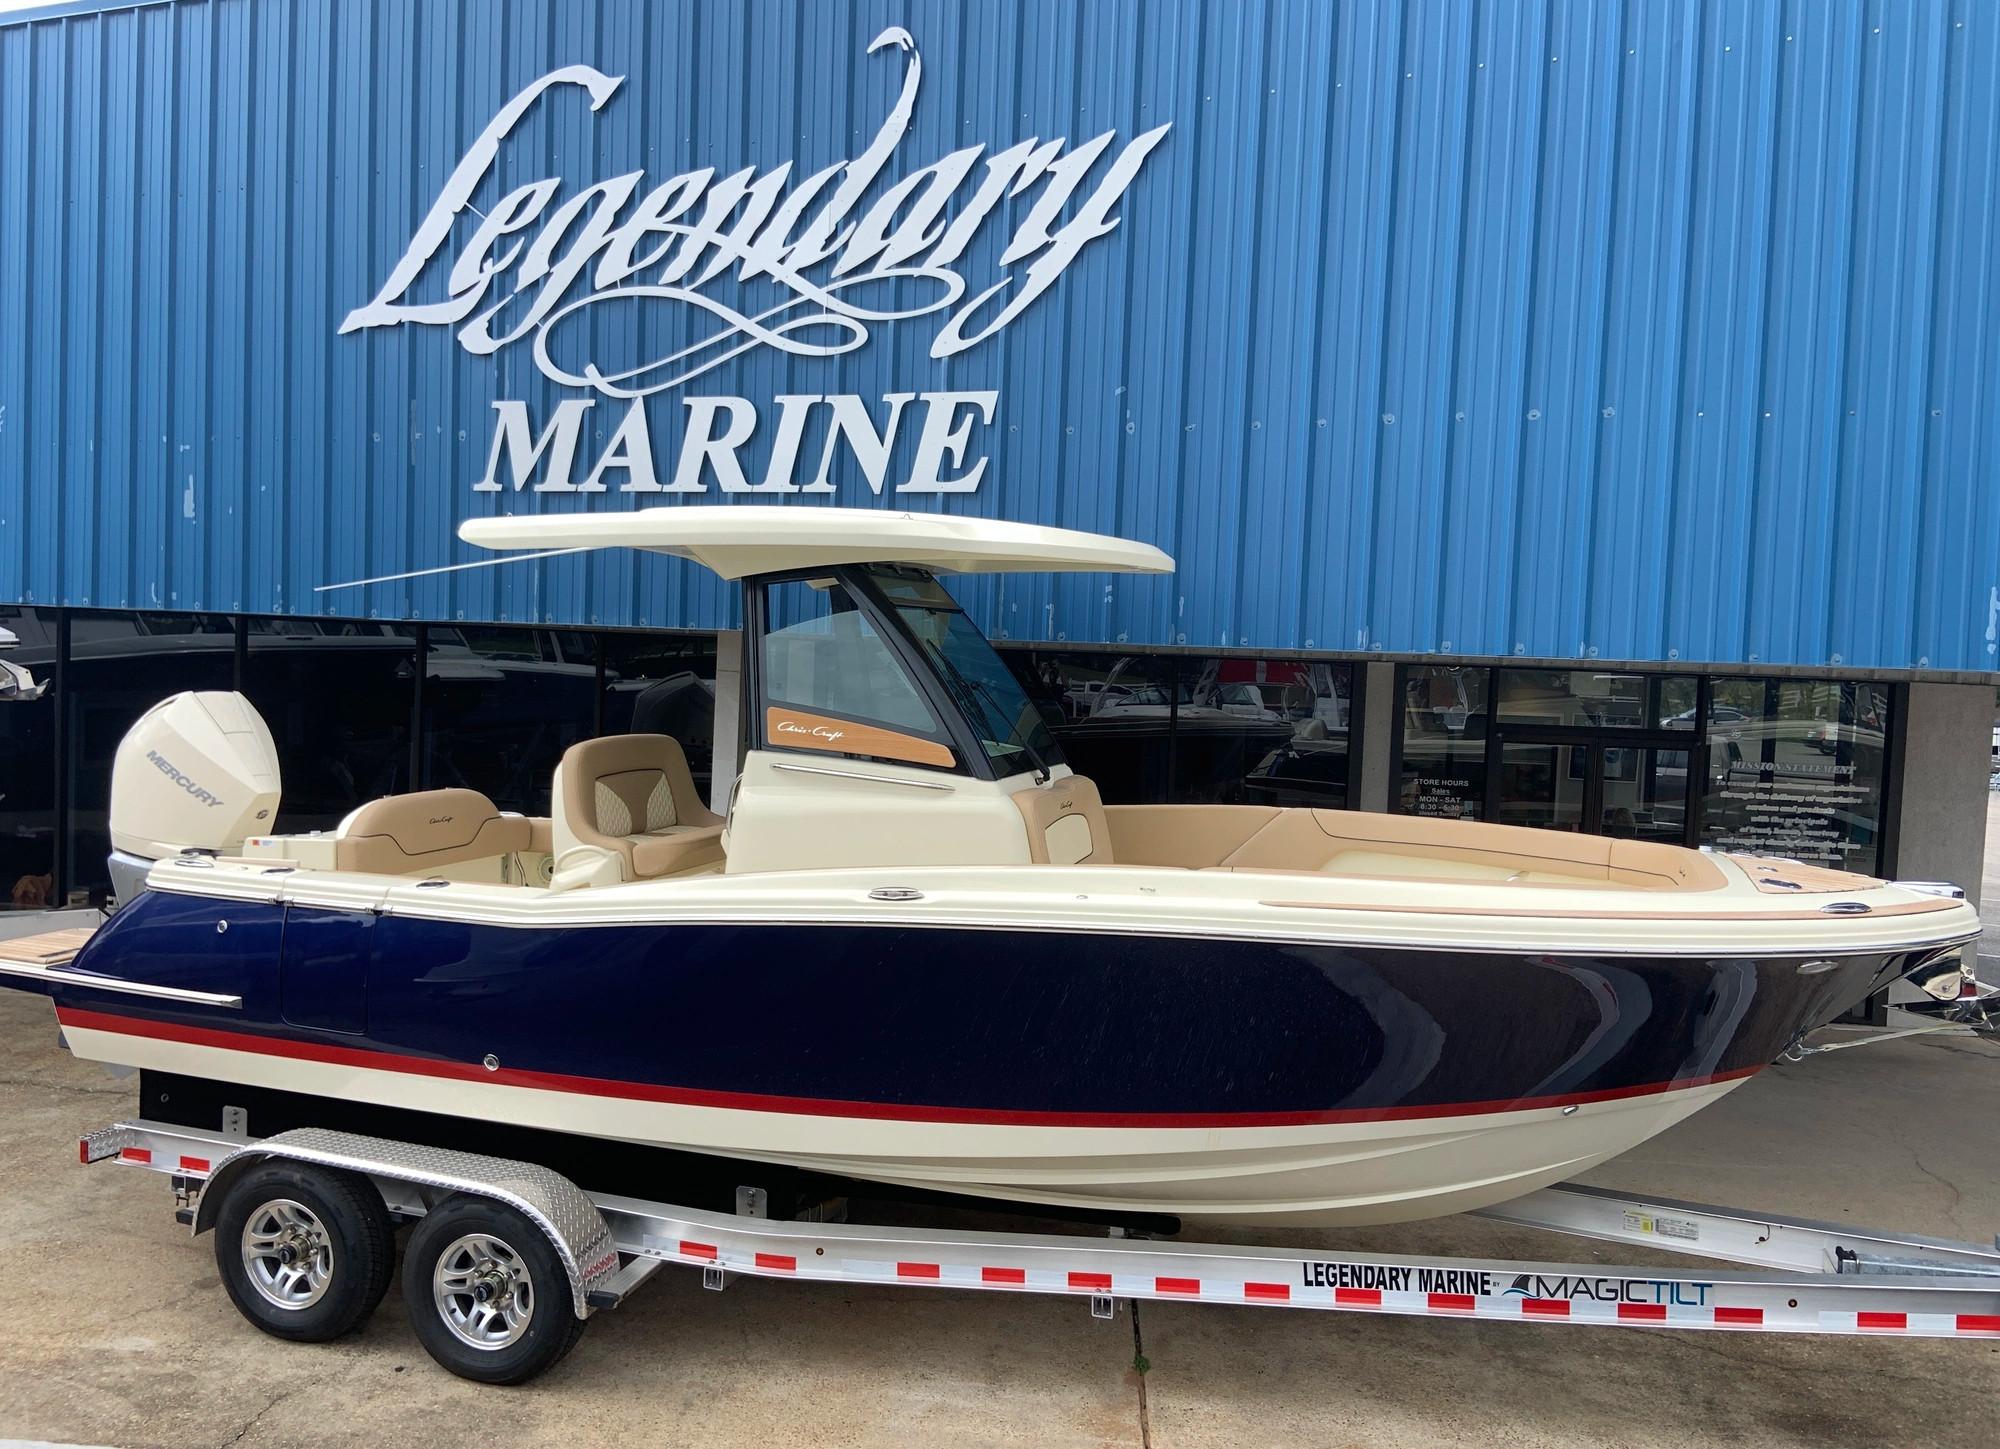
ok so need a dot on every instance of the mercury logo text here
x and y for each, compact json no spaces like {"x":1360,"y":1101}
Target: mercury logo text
{"x":183,"y":781}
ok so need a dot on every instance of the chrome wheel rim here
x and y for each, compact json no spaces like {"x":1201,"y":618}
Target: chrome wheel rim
{"x":287,"y":1254}
{"x":483,"y":1291}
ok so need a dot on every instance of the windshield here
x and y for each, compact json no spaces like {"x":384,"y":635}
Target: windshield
{"x":1014,"y":734}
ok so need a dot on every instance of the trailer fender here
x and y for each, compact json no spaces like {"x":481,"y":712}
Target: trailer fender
{"x":551,"y":1201}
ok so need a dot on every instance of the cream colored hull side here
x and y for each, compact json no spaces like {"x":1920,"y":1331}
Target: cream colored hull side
{"x":1339,"y":1173}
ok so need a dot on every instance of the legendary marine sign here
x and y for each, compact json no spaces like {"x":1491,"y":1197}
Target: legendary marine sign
{"x":806,"y":266}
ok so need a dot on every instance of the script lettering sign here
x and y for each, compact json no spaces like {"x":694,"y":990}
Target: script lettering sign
{"x":834,"y":256}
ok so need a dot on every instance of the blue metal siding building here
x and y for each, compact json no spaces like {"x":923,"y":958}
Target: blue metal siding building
{"x":1635,"y":331}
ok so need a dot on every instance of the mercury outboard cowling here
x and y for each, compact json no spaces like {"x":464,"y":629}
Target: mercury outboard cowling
{"x":196,"y":773}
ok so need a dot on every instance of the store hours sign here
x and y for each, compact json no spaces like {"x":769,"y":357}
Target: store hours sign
{"x":838,"y":259}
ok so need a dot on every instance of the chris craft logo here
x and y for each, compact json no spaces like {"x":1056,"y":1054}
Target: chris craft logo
{"x":790,"y":727}
{"x":553,"y":274}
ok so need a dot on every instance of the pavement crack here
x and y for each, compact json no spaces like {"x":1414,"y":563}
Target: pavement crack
{"x":251,"y":1423}
{"x":1139,"y":1368}
{"x":1957,"y":1196}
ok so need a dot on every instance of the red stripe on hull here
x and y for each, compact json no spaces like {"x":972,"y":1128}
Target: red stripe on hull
{"x":369,"y":1059}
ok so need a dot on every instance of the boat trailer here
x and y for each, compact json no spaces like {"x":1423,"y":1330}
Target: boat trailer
{"x":469,"y":1301}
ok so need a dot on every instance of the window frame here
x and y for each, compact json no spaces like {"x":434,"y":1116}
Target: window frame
{"x":969,"y":754}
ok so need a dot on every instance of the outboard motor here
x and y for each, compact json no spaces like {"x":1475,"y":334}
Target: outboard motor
{"x":194,"y":775}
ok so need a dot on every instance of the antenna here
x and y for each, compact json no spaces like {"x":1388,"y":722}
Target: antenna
{"x":481,"y":563}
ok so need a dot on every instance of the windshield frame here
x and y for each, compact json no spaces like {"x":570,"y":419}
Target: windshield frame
{"x":1022,"y":751}
{"x":865,"y":583}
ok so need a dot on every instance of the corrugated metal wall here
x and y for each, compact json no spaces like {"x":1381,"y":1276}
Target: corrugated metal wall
{"x":1638,"y":330}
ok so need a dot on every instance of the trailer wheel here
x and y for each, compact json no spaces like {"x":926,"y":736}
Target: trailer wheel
{"x":305,"y":1252}
{"x":487,"y":1295}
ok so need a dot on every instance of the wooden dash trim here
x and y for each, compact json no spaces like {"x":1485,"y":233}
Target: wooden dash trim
{"x":796,"y":729}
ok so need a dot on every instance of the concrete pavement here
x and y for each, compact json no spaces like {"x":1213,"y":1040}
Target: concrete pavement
{"x":113,"y":1328}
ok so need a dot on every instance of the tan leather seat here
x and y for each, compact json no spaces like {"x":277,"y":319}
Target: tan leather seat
{"x":633,"y":797}
{"x":1065,"y":820}
{"x":425,"y":831}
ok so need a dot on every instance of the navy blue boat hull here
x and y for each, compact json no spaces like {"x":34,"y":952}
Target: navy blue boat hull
{"x":963,"y":1023}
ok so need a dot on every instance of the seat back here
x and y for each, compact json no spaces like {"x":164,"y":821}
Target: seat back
{"x":631,"y":798}
{"x":1065,"y":821}
{"x":426,"y":830}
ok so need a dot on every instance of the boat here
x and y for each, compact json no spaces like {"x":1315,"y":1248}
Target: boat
{"x":915,"y":949}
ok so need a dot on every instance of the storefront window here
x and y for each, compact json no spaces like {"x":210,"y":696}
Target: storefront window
{"x":337,"y":694}
{"x":1112,"y":714}
{"x":663,"y":684}
{"x":1262,"y":732}
{"x":1596,"y":699}
{"x":1443,"y":766}
{"x":1796,"y":769}
{"x":27,"y":759}
{"x":120,"y":666}
{"x":500,"y":707}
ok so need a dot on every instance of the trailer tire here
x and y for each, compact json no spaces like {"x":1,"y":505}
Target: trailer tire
{"x":305,"y":1252}
{"x":487,"y":1295}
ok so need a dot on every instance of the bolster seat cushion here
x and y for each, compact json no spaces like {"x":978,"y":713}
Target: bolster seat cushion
{"x":404,"y":834}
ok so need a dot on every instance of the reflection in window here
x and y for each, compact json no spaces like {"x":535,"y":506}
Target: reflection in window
{"x":1443,"y":769}
{"x":1645,"y":794}
{"x":1796,"y":770}
{"x":337,"y":695}
{"x":1152,"y":729}
{"x":663,"y":684}
{"x":27,"y":760}
{"x":1111,"y":714}
{"x":501,"y":705}
{"x":1596,"y":698}
{"x":1262,"y":732}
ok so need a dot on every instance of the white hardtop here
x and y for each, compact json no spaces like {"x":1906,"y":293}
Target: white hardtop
{"x":737,"y":540}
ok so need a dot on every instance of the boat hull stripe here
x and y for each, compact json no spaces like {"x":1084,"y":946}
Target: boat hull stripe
{"x":371,"y":1059}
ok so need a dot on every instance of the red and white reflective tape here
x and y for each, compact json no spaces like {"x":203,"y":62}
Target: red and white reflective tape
{"x":1806,"y":1303}
{"x":1506,"y":1307}
{"x":185,"y":1163}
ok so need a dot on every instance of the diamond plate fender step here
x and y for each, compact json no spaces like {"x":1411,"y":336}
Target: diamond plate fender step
{"x":551,"y":1201}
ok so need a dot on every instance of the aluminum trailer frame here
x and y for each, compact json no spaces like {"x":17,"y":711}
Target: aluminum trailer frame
{"x":1809,"y":1277}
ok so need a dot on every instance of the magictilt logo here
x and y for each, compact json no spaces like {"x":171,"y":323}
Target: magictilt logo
{"x":1610,"y":1290}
